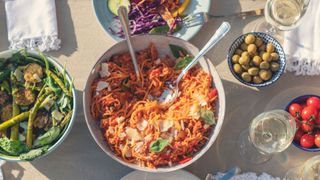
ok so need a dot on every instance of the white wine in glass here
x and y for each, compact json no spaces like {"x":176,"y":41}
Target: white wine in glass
{"x":282,"y":15}
{"x":285,"y":14}
{"x":269,"y":133}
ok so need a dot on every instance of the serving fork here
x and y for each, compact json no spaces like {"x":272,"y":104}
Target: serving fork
{"x":200,"y":18}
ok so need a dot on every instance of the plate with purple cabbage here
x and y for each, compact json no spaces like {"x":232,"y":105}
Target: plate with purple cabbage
{"x":150,"y":16}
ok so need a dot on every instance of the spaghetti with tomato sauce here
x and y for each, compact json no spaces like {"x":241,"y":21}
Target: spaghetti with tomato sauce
{"x":137,"y":127}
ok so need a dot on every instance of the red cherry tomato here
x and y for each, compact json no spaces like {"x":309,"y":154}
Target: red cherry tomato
{"x":295,"y":109}
{"x":213,"y":93}
{"x":317,"y":121}
{"x":317,"y":141}
{"x":314,"y":101}
{"x":185,"y":160}
{"x":307,"y":126}
{"x":317,"y":133}
{"x":307,"y":141}
{"x":298,"y":135}
{"x":309,"y":112}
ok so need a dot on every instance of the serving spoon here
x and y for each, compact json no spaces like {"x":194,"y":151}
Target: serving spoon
{"x":169,"y":96}
{"x":123,"y":15}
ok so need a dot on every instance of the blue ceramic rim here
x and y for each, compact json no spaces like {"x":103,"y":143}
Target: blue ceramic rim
{"x":300,"y":99}
{"x":274,"y":78}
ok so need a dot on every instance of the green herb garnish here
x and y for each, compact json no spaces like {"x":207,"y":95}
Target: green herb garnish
{"x":158,"y":145}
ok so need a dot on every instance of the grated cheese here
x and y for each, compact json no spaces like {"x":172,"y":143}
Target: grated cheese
{"x":102,"y":85}
{"x":104,"y":72}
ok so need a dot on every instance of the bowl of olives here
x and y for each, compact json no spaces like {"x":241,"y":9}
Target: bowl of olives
{"x":256,"y":59}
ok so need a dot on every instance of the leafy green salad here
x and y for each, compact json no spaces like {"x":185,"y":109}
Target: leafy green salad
{"x":36,"y":105}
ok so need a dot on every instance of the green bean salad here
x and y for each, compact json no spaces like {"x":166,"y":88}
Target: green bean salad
{"x":36,"y":105}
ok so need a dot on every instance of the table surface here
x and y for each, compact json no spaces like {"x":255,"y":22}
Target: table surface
{"x":84,"y":41}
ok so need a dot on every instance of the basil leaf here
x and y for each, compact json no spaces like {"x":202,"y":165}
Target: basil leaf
{"x":159,"y":29}
{"x":207,"y":116}
{"x":183,"y":63}
{"x":164,"y":29}
{"x":4,"y":74}
{"x":2,"y":62}
{"x":13,"y":147}
{"x":158,"y":145}
{"x":34,"y":153}
{"x":47,"y":137}
{"x":177,"y":50}
{"x":52,"y":85}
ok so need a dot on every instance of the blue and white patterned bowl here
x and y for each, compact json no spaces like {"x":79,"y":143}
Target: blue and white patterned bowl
{"x":266,"y":39}
{"x":302,"y":100}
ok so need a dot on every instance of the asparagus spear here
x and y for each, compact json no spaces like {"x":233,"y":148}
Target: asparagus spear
{"x":33,"y":112}
{"x":54,"y":76}
{"x":59,"y":82}
{"x":14,"y":120}
{"x":14,"y":134}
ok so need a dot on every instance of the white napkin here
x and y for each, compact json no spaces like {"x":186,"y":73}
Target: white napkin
{"x":32,"y":24}
{"x":302,"y":45}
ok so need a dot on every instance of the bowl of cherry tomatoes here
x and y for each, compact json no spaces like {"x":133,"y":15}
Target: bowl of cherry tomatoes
{"x":306,"y":111}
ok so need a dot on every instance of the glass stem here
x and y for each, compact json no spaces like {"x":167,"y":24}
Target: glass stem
{"x":272,"y":30}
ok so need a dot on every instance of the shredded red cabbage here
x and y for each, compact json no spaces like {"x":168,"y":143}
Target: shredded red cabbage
{"x":142,"y":18}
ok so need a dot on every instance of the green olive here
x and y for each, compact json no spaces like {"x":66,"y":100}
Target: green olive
{"x":262,"y":47}
{"x":237,"y":68}
{"x":252,"y":49}
{"x":265,"y":74}
{"x":266,"y":56}
{"x":274,"y":56}
{"x":274,"y":66}
{"x":256,"y":60}
{"x":253,"y":71}
{"x":246,"y":77}
{"x":261,"y":53}
{"x":235,"y":58}
{"x":238,"y":51}
{"x":250,"y":38}
{"x":258,"y":42}
{"x":244,"y":60}
{"x":270,"y":48}
{"x":257,"y":80}
{"x":245,"y":53}
{"x":264,"y":65}
{"x":244,"y":46}
{"x":245,"y":67}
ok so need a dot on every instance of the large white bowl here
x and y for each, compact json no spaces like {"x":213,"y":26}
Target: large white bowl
{"x":7,"y":54}
{"x":162,"y":43}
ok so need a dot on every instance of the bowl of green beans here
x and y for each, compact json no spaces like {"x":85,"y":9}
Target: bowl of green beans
{"x":37,"y":104}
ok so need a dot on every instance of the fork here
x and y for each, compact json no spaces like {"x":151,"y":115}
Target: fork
{"x":200,"y":18}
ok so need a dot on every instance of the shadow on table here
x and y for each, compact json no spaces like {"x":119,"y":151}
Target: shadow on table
{"x":16,"y":171}
{"x":66,"y":30}
{"x":4,"y":44}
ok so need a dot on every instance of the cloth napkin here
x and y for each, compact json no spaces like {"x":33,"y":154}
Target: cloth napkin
{"x":32,"y":24}
{"x":302,"y":45}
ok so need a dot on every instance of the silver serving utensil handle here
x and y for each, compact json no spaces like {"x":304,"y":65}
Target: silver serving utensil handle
{"x":218,"y":35}
{"x":123,"y":15}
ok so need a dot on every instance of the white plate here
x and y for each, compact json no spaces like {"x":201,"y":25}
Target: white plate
{"x":175,"y":175}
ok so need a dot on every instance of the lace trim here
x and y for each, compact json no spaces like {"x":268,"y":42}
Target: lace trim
{"x":303,"y":66}
{"x":45,"y":43}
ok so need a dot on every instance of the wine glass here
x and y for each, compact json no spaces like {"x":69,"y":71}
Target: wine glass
{"x":310,"y":170}
{"x":269,"y":133}
{"x":282,"y":15}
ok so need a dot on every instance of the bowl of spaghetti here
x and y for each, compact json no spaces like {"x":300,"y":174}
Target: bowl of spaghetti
{"x":127,"y":117}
